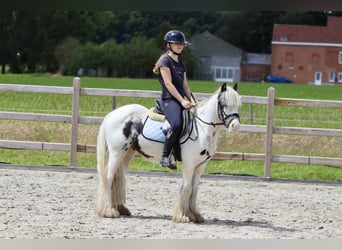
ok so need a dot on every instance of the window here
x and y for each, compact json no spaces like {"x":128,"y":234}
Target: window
{"x":230,"y":74}
{"x":283,"y":38}
{"x":340,"y":57}
{"x":315,"y":58}
{"x":331,"y":76}
{"x":224,"y":74}
{"x":218,"y":73}
{"x":339,"y":77}
{"x":289,"y":57}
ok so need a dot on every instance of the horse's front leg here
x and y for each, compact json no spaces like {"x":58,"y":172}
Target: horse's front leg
{"x":182,"y":209}
{"x":193,"y":201}
{"x":186,"y":208}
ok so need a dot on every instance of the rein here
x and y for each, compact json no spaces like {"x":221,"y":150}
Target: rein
{"x":234,"y":115}
{"x":208,"y":123}
{"x":222,"y":116}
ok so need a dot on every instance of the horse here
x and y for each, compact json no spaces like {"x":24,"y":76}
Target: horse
{"x":120,"y":138}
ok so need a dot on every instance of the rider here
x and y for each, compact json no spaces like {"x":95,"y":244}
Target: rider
{"x":176,"y":95}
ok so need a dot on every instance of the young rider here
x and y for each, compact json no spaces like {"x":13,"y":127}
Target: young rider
{"x":176,"y":95}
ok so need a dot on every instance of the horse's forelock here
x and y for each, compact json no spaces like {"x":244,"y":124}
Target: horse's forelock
{"x":230,"y":97}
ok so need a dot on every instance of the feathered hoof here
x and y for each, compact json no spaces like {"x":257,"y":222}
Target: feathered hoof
{"x":109,"y":213}
{"x":196,"y":218}
{"x":181,"y":219}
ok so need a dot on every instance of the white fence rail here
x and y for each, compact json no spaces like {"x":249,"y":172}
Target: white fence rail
{"x":75,"y":119}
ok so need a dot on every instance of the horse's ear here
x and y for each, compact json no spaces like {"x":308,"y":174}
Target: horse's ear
{"x":235,"y":87}
{"x":224,"y":87}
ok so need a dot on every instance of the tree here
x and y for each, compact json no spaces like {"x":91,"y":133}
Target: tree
{"x":252,"y":31}
{"x":65,"y":52}
{"x":111,"y":57}
{"x":6,"y":31}
{"x":90,"y":56}
{"x":249,"y":31}
{"x":138,"y":57}
{"x":29,"y":39}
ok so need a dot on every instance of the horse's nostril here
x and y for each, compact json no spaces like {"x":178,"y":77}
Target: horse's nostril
{"x":235,"y":127}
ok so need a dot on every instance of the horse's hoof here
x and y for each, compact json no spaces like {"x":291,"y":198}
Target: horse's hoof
{"x":199,"y":218}
{"x":181,"y":219}
{"x":109,"y":213}
{"x":123,"y":210}
{"x":196,"y":218}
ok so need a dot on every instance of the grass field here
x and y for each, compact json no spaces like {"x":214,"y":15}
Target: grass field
{"x":243,"y":142}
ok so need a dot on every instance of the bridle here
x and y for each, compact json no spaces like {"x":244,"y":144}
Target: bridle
{"x":226,"y":119}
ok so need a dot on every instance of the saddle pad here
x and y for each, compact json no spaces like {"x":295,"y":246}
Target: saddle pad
{"x":153,"y":130}
{"x":155,"y":116}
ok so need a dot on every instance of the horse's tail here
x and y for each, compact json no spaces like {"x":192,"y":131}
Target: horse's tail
{"x":111,"y":166}
{"x":102,"y":161}
{"x":101,"y":152}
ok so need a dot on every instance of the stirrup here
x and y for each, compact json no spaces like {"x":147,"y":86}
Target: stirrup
{"x":166,"y":162}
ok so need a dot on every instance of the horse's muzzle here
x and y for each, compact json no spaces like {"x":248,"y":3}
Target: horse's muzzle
{"x":233,"y":123}
{"x":230,"y":118}
{"x":234,"y":126}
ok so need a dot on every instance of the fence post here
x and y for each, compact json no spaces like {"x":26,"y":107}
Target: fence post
{"x":74,"y":121}
{"x":269,"y":133}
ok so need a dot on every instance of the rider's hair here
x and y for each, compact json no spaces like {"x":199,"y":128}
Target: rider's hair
{"x":156,"y":66}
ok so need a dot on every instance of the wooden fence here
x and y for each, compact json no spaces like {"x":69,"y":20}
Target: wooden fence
{"x":75,"y":119}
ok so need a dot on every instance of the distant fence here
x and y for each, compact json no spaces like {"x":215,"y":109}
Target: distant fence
{"x":75,"y":119}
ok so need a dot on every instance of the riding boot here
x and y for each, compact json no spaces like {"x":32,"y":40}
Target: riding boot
{"x":166,"y":161}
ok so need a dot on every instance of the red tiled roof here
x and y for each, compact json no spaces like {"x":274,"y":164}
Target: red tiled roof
{"x":306,"y":33}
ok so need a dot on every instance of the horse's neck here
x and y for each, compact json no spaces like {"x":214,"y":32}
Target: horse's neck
{"x":208,"y":133}
{"x":208,"y":111}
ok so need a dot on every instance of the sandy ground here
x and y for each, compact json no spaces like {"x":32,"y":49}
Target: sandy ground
{"x":61,"y":205}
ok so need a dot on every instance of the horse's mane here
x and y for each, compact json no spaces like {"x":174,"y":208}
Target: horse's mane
{"x":230,"y":97}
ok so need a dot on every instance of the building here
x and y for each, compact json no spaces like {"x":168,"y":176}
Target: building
{"x":255,"y":67}
{"x":217,"y":60}
{"x":308,"y":54}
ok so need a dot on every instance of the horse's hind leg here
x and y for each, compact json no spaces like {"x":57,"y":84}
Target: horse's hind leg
{"x":105,"y":206}
{"x":119,"y":185}
{"x":111,"y":186}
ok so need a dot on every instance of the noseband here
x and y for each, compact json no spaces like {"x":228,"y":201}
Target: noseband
{"x":226,"y":119}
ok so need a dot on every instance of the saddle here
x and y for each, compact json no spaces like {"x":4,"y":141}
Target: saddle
{"x":156,"y":127}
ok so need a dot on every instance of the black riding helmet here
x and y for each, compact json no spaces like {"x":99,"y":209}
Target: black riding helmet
{"x":175,"y":36}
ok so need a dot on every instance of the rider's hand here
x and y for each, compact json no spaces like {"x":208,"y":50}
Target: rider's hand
{"x":186,"y":104}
